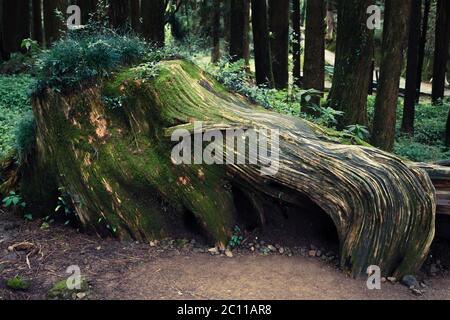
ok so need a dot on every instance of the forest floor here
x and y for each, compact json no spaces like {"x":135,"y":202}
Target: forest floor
{"x":183,"y":269}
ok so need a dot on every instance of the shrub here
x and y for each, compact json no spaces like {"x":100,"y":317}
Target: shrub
{"x":83,"y":56}
{"x":415,"y":151}
{"x":25,"y":136}
{"x":14,"y":105}
{"x":17,"y":283}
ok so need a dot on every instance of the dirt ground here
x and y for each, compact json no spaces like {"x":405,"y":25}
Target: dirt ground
{"x":185,"y":269}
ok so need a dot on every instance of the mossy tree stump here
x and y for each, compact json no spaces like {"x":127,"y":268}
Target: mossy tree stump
{"x":117,"y":165}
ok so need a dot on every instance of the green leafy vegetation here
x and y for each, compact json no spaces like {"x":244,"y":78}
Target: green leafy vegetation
{"x":60,"y":290}
{"x":13,"y":200}
{"x":427,"y":144}
{"x":65,"y":208}
{"x":17,"y":283}
{"x":84,"y":56}
{"x":14,"y":107}
{"x":25,"y":135}
{"x":236,"y":239}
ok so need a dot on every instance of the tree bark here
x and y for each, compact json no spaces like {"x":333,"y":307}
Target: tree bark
{"x":153,"y":13}
{"x":15,"y":25}
{"x":411,"y":92}
{"x":247,"y":34}
{"x":447,"y":132}
{"x":227,"y":24}
{"x":237,"y":30}
{"x":354,"y":48}
{"x":330,"y":23}
{"x":87,"y":7}
{"x":215,"y":54}
{"x":314,"y":64}
{"x":442,"y":42}
{"x":135,"y":15}
{"x":423,"y":41}
{"x":395,"y":33}
{"x":3,"y":53}
{"x":119,"y":13}
{"x":37,"y":21}
{"x":261,"y":42}
{"x":296,"y":43}
{"x":53,"y":26}
{"x":279,"y":42}
{"x":117,"y":165}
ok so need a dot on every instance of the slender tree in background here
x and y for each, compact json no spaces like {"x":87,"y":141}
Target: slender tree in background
{"x":237,"y":29}
{"x":227,"y":23}
{"x":423,"y":41}
{"x":442,"y":42}
{"x":330,"y":22}
{"x":296,"y":43}
{"x":37,"y":32}
{"x":247,"y":34}
{"x":53,"y":25}
{"x":395,"y":33}
{"x":314,"y":64}
{"x":261,"y":43}
{"x":215,"y":55}
{"x":302,"y":12}
{"x":153,"y":13}
{"x":135,"y":15}
{"x":279,"y":42}
{"x":119,"y":12}
{"x":447,"y":132}
{"x":15,"y":26}
{"x":411,"y":69}
{"x":3,"y":55}
{"x":176,"y":29}
{"x":354,"y":48}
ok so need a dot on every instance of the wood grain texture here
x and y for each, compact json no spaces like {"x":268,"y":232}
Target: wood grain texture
{"x":383,"y":207}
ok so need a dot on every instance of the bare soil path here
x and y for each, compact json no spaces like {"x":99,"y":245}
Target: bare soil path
{"x":175,"y":269}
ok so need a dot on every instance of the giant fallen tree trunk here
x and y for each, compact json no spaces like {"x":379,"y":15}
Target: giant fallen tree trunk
{"x":117,"y":163}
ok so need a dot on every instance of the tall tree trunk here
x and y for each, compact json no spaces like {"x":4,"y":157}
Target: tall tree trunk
{"x":314,"y":64}
{"x":247,"y":34}
{"x":279,"y":41}
{"x":354,"y":48}
{"x":330,"y":22}
{"x":215,"y":55}
{"x":3,"y":54}
{"x":15,"y":24}
{"x":119,"y":12}
{"x":237,"y":30}
{"x":227,"y":24}
{"x":37,"y":21}
{"x":423,"y":41}
{"x":153,"y":12}
{"x":296,"y":43}
{"x":447,"y":132}
{"x":87,"y":7}
{"x":302,"y":12}
{"x":135,"y":15}
{"x":261,"y":43}
{"x":395,"y":33}
{"x":53,"y":26}
{"x":442,"y":42}
{"x":411,"y":70}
